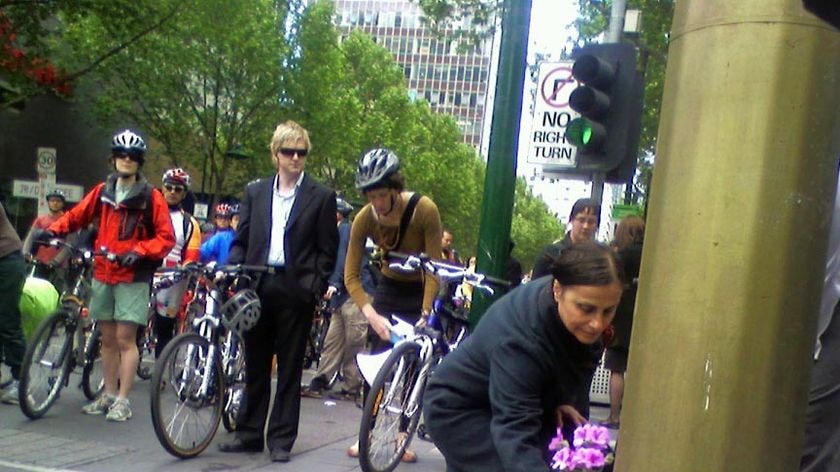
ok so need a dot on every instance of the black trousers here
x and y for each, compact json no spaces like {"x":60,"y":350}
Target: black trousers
{"x":282,"y":331}
{"x":12,"y":343}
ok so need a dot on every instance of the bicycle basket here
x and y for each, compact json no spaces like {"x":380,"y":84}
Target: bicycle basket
{"x":242,"y":311}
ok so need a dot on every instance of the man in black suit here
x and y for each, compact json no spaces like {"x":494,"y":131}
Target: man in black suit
{"x":288,"y":223}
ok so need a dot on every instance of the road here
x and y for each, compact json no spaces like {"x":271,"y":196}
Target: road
{"x":67,"y":440}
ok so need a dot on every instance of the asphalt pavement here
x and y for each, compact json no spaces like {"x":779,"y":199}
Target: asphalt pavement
{"x":67,"y":440}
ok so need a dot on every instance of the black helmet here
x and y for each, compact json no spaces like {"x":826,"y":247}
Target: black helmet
{"x":57,"y":193}
{"x":343,"y":207}
{"x":374,"y":167}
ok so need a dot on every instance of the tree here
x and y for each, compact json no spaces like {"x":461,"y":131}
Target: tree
{"x":208,"y":80}
{"x":30,"y":35}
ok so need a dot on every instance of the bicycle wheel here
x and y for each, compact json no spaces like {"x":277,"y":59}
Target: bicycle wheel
{"x":235,"y":384}
{"x":45,"y":364}
{"x":93,"y":381}
{"x":146,"y":341}
{"x":185,"y":413}
{"x":387,"y":423}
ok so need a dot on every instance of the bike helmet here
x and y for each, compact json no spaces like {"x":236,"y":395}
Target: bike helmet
{"x":343,"y":207}
{"x":374,"y":167}
{"x":57,"y":193}
{"x":129,"y":142}
{"x":234,"y":209}
{"x":177,"y":176}
{"x":242,"y":311}
{"x":223,"y":209}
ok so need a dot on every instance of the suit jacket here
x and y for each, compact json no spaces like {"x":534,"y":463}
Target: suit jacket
{"x":311,"y":239}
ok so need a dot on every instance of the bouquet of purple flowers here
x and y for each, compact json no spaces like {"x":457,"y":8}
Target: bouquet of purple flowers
{"x":589,"y":451}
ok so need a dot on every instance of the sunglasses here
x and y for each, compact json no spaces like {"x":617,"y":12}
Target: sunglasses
{"x":174,"y":188}
{"x":125,"y":155}
{"x":291,"y":152}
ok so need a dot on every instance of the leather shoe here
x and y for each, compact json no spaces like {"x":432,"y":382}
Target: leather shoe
{"x":238,"y":445}
{"x":279,"y":455}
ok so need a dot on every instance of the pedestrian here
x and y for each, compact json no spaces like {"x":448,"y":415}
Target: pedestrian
{"x":629,"y":237}
{"x":287,"y":222}
{"x":12,"y":275}
{"x":348,"y":327}
{"x":513,"y":268}
{"x":583,"y":220}
{"x":133,"y":222}
{"x":217,"y":248}
{"x":821,"y":448}
{"x":176,"y":185}
{"x":397,"y":220}
{"x":43,"y":253}
{"x":449,"y":252}
{"x":492,"y":404}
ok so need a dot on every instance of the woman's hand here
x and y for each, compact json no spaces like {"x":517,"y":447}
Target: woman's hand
{"x":379,"y":323}
{"x":568,"y":412}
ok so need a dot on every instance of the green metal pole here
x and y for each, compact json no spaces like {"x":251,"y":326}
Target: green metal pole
{"x":735,"y":246}
{"x":500,"y":181}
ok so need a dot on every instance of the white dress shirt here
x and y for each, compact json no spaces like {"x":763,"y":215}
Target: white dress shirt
{"x":281,"y":207}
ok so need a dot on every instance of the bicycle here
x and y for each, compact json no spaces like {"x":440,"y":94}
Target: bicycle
{"x":199,"y":378}
{"x":391,"y":414}
{"x":317,"y":335}
{"x":146,"y":337}
{"x":64,"y":341}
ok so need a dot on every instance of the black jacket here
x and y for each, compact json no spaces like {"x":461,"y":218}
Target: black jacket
{"x":519,"y":365}
{"x":311,"y":238}
{"x":542,"y":266}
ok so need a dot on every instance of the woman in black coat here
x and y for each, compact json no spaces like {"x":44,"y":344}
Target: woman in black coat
{"x":495,"y":402}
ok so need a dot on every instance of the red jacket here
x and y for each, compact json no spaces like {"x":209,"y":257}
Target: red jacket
{"x":123,"y":227}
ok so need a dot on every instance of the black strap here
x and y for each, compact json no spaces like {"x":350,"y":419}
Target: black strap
{"x":406,"y":217}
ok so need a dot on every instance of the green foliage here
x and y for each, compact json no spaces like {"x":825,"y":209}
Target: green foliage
{"x":205,"y":81}
{"x":200,"y":76}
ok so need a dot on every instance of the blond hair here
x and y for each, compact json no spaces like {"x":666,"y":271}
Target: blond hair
{"x":288,"y":131}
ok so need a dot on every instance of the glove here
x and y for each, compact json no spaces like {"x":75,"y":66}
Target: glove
{"x":44,"y":237}
{"x":129,"y":259}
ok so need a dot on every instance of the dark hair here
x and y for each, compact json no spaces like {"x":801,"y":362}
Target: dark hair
{"x":583,"y":204}
{"x":394,"y":181}
{"x":587,"y":263}
{"x":630,"y":230}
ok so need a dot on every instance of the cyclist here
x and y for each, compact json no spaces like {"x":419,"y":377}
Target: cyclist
{"x":12,"y":274}
{"x":217,"y":247}
{"x":176,"y":184}
{"x":134,"y":223}
{"x":348,"y":327}
{"x":56,"y":201}
{"x":396,"y":220}
{"x":492,"y":404}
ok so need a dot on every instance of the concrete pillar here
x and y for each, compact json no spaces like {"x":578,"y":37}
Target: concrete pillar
{"x":736,"y":239}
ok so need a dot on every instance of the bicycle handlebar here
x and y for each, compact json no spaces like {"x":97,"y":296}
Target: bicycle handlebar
{"x":443,"y":270}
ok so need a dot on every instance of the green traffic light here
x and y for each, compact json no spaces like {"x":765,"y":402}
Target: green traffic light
{"x":579,"y":132}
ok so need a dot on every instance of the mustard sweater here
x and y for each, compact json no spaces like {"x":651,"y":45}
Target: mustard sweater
{"x":423,"y":234}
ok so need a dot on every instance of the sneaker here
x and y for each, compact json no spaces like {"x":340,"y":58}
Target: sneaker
{"x":99,"y":406}
{"x":120,"y":410}
{"x":10,"y":394}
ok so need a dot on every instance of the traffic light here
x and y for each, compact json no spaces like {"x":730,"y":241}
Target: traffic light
{"x":609,"y":100}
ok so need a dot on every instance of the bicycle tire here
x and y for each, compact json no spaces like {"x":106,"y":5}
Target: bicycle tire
{"x":146,"y":341}
{"x":93,"y":380}
{"x":380,"y":449}
{"x":234,"y":388}
{"x":179,"y":372}
{"x":45,"y":364}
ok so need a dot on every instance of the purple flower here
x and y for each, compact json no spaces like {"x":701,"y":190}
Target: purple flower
{"x":557,"y":442}
{"x":589,"y":457}
{"x":564,"y":459}
{"x":591,"y":435}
